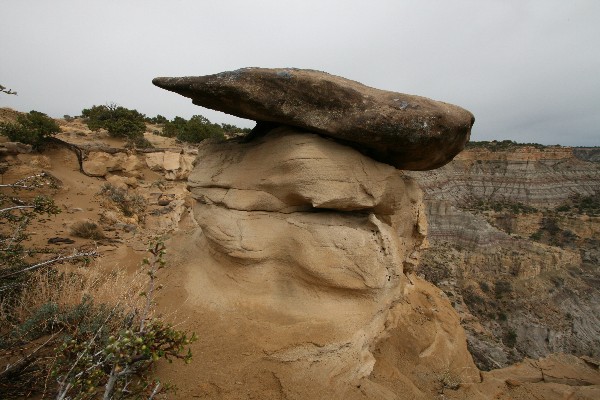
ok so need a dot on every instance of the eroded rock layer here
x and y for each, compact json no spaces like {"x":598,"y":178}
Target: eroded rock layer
{"x":514,"y":244}
{"x":315,"y":233}
{"x":536,"y":177}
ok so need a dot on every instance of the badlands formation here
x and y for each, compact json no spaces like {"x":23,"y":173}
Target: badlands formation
{"x":300,"y":279}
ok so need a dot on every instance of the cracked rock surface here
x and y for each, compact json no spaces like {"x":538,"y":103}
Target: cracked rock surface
{"x":406,"y":131}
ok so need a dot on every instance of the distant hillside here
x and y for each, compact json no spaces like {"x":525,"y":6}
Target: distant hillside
{"x":514,"y":234}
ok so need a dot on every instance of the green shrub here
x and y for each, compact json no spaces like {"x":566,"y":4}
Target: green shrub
{"x":536,"y":236}
{"x":139,"y":142}
{"x":229,"y":128}
{"x":118,"y":121}
{"x":501,"y":288}
{"x":484,"y":286}
{"x":32,"y":128}
{"x":159,"y":119}
{"x":195,"y":130}
{"x":117,"y":362}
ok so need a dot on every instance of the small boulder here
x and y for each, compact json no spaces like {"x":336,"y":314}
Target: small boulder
{"x":15,"y":148}
{"x":171,"y":161}
{"x":99,"y":163}
{"x":132,"y":166}
{"x":154,"y":161}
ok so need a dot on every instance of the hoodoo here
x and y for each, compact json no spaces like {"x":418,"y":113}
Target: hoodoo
{"x":302,"y":269}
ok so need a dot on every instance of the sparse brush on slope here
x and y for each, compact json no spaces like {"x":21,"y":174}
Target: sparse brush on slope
{"x":195,"y":130}
{"x":33,"y":128}
{"x":118,"y":362}
{"x":129,"y":204}
{"x":119,"y":122}
{"x":19,"y":262}
{"x":104,"y":330}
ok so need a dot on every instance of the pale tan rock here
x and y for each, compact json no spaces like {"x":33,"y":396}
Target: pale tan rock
{"x":558,"y":376}
{"x":132,"y":165}
{"x":299,"y":228}
{"x":186,"y":164}
{"x":122,"y":182}
{"x":35,"y":161}
{"x":299,"y":281}
{"x":170,"y":161}
{"x":99,"y":163}
{"x":15,"y":148}
{"x":154,"y":161}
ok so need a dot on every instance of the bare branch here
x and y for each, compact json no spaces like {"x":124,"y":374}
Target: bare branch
{"x":10,"y":368}
{"x":54,"y":260}
{"x":155,"y":391}
{"x":16,"y":208}
{"x":6,"y":90}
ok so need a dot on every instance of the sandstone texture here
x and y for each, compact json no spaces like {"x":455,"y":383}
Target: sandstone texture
{"x":406,"y":131}
{"x":341,"y":219}
{"x":174,"y":165}
{"x":307,"y":250}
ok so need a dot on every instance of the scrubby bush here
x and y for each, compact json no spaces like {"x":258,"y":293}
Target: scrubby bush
{"x":589,"y":205}
{"x":229,"y":128}
{"x":195,"y":130}
{"x":159,"y":119}
{"x":76,"y":334}
{"x":502,"y":288}
{"x":117,"y":360}
{"x":510,"y":338}
{"x":19,"y":263}
{"x":32,"y":128}
{"x":4,"y":89}
{"x":139,"y":142}
{"x":16,"y":213}
{"x":118,"y":121}
{"x":87,"y":230}
{"x":129,"y":204}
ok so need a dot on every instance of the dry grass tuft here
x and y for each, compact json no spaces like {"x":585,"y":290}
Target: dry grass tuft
{"x":87,"y":230}
{"x":69,"y":289}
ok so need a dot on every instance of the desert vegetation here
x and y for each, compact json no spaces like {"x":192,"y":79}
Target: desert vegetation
{"x":198,"y":128}
{"x":501,"y":145}
{"x":33,"y":128}
{"x":69,"y":330}
{"x":130,"y":124}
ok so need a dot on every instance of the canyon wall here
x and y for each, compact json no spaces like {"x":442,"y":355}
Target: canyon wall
{"x":513,"y":237}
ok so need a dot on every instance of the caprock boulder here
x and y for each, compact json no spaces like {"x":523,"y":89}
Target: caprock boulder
{"x":406,"y":131}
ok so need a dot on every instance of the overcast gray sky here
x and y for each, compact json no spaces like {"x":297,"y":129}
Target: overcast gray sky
{"x":528,"y":69}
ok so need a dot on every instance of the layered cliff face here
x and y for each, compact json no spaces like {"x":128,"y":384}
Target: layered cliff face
{"x":538,"y":177}
{"x":513,"y":246}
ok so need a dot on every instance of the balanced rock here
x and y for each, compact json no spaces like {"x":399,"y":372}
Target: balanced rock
{"x":314,"y":239}
{"x":406,"y":131}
